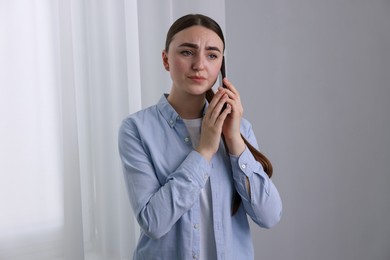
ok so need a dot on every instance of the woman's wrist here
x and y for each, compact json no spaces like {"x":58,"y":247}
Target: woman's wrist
{"x":236,"y":146}
{"x":205,"y":153}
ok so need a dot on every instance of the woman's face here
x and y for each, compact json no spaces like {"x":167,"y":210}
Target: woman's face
{"x":194,"y":60}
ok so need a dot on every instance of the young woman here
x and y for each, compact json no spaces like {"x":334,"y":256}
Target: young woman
{"x":191,"y":177}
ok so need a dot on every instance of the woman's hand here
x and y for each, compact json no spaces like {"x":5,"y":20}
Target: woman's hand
{"x":212,"y":124}
{"x":231,"y":126}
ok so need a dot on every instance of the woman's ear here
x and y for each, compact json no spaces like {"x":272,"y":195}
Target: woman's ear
{"x":165,"y":60}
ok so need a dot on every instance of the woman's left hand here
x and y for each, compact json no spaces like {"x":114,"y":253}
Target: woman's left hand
{"x":231,"y":126}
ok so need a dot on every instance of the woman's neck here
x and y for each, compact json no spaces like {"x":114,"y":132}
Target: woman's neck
{"x":188,"y":106}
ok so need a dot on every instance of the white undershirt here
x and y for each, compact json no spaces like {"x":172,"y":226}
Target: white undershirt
{"x":207,"y":239}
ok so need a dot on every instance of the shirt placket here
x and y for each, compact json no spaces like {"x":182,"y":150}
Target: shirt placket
{"x":195,"y":225}
{"x":215,"y":178}
{"x":195,"y":211}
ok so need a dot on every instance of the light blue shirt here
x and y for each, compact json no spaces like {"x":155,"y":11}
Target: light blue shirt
{"x":164,"y":176}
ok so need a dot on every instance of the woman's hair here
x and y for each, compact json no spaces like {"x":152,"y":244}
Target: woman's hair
{"x":190,"y":20}
{"x":197,"y":19}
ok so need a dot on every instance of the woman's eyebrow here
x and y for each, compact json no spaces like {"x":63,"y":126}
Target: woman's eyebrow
{"x":213,"y":48}
{"x":195,"y":46}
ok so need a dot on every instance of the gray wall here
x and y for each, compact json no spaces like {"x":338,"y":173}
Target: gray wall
{"x":315,"y":80}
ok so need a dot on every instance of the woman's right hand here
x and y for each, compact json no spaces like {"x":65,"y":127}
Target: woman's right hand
{"x":213,"y":120}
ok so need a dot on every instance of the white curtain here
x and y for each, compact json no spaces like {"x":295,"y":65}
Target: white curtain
{"x":70,"y":71}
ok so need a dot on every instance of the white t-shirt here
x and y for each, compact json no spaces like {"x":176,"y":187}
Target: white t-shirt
{"x":207,"y":239}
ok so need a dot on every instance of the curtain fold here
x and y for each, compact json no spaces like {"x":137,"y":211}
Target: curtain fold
{"x":73,"y":223}
{"x":100,"y":45}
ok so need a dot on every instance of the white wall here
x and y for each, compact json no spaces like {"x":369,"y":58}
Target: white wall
{"x":315,"y":80}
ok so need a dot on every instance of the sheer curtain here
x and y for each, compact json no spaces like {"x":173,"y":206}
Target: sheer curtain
{"x":70,"y":71}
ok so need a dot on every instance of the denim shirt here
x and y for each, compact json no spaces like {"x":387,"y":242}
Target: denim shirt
{"x":164,"y":176}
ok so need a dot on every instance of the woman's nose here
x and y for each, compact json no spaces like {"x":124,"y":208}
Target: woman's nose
{"x":198,"y":63}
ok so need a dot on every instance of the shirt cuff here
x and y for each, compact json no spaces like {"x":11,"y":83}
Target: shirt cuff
{"x":247,"y":164}
{"x":197,"y":167}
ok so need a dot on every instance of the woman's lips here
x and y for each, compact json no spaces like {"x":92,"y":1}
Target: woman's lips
{"x":197,"y":78}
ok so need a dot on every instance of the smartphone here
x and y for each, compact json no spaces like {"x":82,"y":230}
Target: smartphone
{"x":223,"y":75}
{"x":223,"y":71}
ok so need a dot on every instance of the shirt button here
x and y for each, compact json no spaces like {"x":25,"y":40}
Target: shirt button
{"x":243,"y":166}
{"x":186,"y":139}
{"x":196,"y":226}
{"x":171,"y":122}
{"x":195,"y":256}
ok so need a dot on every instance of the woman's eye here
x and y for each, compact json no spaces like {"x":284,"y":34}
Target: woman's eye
{"x":186,"y":53}
{"x":212,"y":56}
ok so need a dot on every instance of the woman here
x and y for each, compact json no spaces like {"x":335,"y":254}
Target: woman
{"x":186,"y":162}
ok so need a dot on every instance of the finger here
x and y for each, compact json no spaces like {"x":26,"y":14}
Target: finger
{"x":218,"y":107}
{"x":214,"y":102}
{"x":229,"y":85}
{"x":218,"y":95}
{"x":223,"y":115}
{"x":231,"y":90}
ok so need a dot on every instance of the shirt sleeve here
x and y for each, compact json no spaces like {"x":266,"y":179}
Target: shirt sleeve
{"x":156,"y":205}
{"x":259,"y":195}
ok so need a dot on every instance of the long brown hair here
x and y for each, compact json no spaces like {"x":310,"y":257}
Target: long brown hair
{"x":197,"y":19}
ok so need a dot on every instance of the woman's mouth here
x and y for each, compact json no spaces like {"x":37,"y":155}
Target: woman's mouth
{"x":198,"y":79}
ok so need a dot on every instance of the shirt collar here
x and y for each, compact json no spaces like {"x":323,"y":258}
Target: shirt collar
{"x":169,"y":113}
